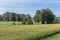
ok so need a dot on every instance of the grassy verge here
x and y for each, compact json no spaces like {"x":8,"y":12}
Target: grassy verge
{"x":5,"y":23}
{"x":54,"y":37}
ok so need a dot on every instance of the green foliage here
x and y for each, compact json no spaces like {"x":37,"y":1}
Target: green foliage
{"x":6,"y":16}
{"x":37,"y":17}
{"x":14,"y":23}
{"x":18,"y":18}
{"x":29,"y":22}
{"x":13,"y":16}
{"x":9,"y":16}
{"x":1,"y":18}
{"x":47,"y":15}
{"x":23,"y":18}
{"x":23,"y":22}
{"x":29,"y":19}
{"x":43,"y":15}
{"x":57,"y":20}
{"x":19,"y":23}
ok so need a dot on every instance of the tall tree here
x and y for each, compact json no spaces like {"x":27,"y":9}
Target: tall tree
{"x":12,"y":16}
{"x":43,"y":16}
{"x":29,"y":19}
{"x":6,"y":16}
{"x":18,"y":17}
{"x":47,"y":16}
{"x":9,"y":16}
{"x":1,"y":18}
{"x":23,"y":16}
{"x":37,"y":17}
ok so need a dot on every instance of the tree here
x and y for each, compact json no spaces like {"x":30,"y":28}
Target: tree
{"x":43,"y":16}
{"x":47,"y":16}
{"x":12,"y":16}
{"x":37,"y":17}
{"x":23,"y":16}
{"x":9,"y":16}
{"x":18,"y":17}
{"x":6,"y":16}
{"x":29,"y":19}
{"x":1,"y":18}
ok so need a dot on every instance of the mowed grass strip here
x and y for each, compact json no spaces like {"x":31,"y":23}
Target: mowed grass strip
{"x":27,"y":32}
{"x":54,"y":37}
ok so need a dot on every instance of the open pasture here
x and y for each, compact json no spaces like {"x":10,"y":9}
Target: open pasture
{"x":27,"y":32}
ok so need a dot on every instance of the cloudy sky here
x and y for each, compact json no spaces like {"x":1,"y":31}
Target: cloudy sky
{"x":29,"y":6}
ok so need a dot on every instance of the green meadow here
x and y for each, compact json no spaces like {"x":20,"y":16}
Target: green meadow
{"x":29,"y":32}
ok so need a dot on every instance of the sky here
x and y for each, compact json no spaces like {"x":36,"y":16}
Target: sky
{"x":29,"y":6}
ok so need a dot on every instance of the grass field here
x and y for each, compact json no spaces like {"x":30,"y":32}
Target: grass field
{"x":28,"y":32}
{"x":55,"y":37}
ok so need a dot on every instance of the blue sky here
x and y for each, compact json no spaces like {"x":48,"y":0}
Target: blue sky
{"x":29,"y":6}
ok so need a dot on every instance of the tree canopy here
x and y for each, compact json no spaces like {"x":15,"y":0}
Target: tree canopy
{"x":45,"y":16}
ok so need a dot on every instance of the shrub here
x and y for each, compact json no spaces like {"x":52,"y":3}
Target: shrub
{"x":14,"y":23}
{"x":29,"y":22}
{"x":24,"y":22}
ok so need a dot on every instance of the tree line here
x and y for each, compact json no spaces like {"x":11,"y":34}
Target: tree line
{"x":45,"y":16}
